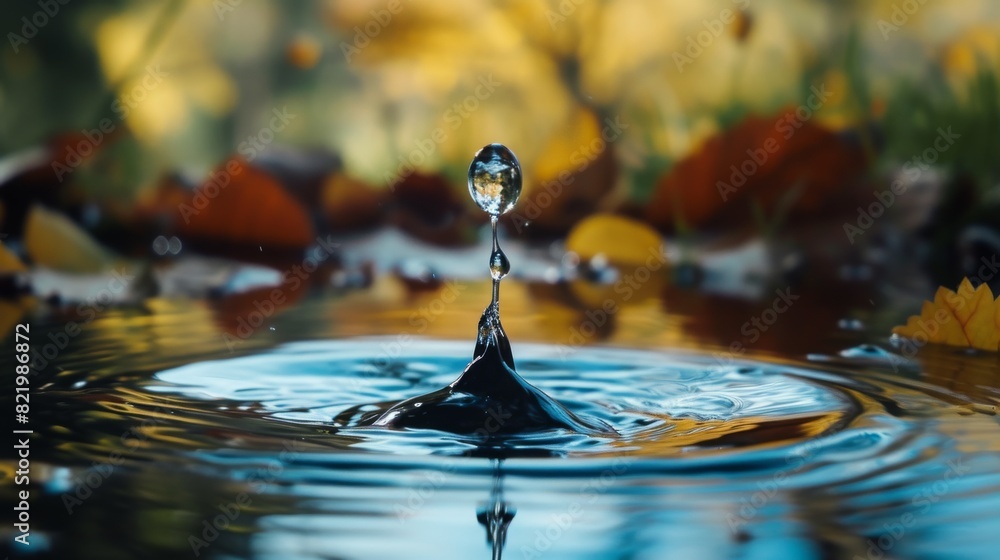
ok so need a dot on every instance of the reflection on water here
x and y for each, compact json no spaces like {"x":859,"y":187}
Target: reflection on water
{"x":158,"y":437}
{"x":497,"y":514}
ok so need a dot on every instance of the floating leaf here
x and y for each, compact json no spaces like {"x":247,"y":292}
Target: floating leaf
{"x":243,"y":205}
{"x":762,"y":159}
{"x":967,"y":317}
{"x":9,"y":261}
{"x":620,"y":239}
{"x":54,"y":241}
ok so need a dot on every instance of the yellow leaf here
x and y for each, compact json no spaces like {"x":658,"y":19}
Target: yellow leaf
{"x":12,"y":312}
{"x":9,"y":261}
{"x":622,"y":240}
{"x":968,"y":317}
{"x":54,"y":241}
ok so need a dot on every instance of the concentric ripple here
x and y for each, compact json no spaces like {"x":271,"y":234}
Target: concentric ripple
{"x":837,"y":459}
{"x":659,"y":404}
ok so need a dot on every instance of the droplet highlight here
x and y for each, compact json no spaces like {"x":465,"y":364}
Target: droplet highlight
{"x":499,"y":265}
{"x":495,"y":179}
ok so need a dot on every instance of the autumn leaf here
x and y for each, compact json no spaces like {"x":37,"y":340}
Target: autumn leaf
{"x":761,"y":160}
{"x":238,"y":205}
{"x":54,"y":241}
{"x":968,"y":317}
{"x":621,"y":240}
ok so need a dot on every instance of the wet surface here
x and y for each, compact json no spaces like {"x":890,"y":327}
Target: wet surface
{"x":155,"y":421}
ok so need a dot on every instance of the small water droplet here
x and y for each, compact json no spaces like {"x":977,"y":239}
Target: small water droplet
{"x":499,"y":265}
{"x":495,"y":179}
{"x":848,"y":324}
{"x":865,"y":355}
{"x":174,"y":245}
{"x":161,"y":245}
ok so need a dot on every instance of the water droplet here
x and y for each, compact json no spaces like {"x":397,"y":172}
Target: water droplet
{"x":174,"y":245}
{"x":848,"y":324}
{"x":866,"y":355}
{"x":499,"y":265}
{"x":495,"y":179}
{"x":491,"y":376}
{"x":161,"y":245}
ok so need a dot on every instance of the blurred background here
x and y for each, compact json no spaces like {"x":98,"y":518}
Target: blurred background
{"x":203,"y":149}
{"x":184,"y":182}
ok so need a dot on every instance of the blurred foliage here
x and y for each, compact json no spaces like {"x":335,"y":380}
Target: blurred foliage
{"x":918,"y":112}
{"x":230,"y":63}
{"x":635,"y":108}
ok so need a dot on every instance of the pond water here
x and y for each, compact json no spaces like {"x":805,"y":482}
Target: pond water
{"x":159,"y":434}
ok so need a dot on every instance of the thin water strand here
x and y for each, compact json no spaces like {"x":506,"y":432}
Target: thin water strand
{"x":490,"y":381}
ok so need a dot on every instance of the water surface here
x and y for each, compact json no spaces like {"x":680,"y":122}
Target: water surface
{"x":160,"y":435}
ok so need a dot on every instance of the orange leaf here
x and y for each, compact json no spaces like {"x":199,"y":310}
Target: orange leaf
{"x":968,"y":317}
{"x":242,"y":205}
{"x":761,"y":159}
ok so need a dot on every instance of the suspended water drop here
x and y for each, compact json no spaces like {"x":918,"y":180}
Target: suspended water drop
{"x":499,"y":265}
{"x":490,"y":380}
{"x":495,"y":179}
